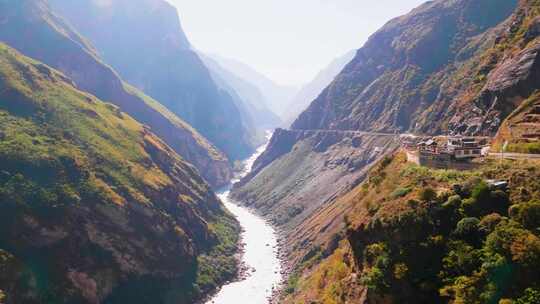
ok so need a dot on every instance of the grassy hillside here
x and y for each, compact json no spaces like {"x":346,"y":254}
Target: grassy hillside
{"x":418,"y":235}
{"x":49,"y":39}
{"x":93,"y":206}
{"x":522,"y":128}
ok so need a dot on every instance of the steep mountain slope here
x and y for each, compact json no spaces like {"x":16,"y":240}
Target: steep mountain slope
{"x":144,"y":42}
{"x":247,"y":95}
{"x":302,"y":170}
{"x":94,"y":207}
{"x":419,"y":235}
{"x":30,"y":27}
{"x":462,"y":66}
{"x":311,"y":91}
{"x":277,"y":96}
{"x":427,"y":71}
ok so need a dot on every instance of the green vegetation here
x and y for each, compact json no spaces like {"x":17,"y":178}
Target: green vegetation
{"x":528,"y":148}
{"x":219,"y":264}
{"x":463,"y":243}
{"x":99,"y":199}
{"x":421,"y":235}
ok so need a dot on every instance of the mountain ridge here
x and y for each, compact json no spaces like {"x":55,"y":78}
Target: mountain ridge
{"x":170,"y":71}
{"x":94,"y":206}
{"x":398,"y":75}
{"x":276,"y":95}
{"x":52,"y":42}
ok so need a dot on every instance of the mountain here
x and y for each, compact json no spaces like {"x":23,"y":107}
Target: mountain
{"x":362,"y":225}
{"x":411,"y":234}
{"x":277,"y":96}
{"x":48,"y":38}
{"x":249,"y":97}
{"x":144,"y":42}
{"x":256,"y":116}
{"x":94,"y":207}
{"x":427,"y":72}
{"x":311,"y":91}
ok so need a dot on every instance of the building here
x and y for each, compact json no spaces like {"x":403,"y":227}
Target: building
{"x":444,"y":152}
{"x":464,"y":147}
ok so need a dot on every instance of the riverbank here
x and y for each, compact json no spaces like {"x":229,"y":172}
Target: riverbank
{"x":260,"y":268}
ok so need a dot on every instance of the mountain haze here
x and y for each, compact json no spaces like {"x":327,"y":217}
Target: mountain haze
{"x":48,"y":38}
{"x":277,"y":96}
{"x":254,"y":99}
{"x":144,"y":42}
{"x":256,"y":116}
{"x":311,"y":91}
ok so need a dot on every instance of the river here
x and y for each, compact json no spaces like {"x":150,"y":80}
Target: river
{"x":260,"y":252}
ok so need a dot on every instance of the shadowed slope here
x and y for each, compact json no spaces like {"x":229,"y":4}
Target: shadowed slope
{"x":93,"y":204}
{"x":30,"y":27}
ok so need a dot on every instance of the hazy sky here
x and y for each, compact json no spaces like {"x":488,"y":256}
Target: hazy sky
{"x":287,"y":40}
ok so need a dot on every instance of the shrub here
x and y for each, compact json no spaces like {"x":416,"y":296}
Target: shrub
{"x":374,"y":279}
{"x":490,"y":222}
{"x":525,"y":250}
{"x":515,"y":244}
{"x":427,"y":194}
{"x":453,"y":202}
{"x":461,"y":259}
{"x":467,"y":188}
{"x":481,"y":192}
{"x":400,"y":271}
{"x":413,"y":203}
{"x":387,"y":160}
{"x":400,"y":192}
{"x":531,"y":296}
{"x":528,"y":214}
{"x":292,"y":283}
{"x":484,"y":201}
{"x":468,"y":230}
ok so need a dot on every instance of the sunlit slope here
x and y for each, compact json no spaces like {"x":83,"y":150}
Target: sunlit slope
{"x":93,"y":206}
{"x":32,"y":28}
{"x":417,"y":235}
{"x":431,"y":71}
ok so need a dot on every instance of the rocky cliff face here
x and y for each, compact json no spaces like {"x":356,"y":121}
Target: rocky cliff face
{"x":508,"y":77}
{"x":419,"y":235}
{"x":33,"y":29}
{"x":144,"y":42}
{"x":302,"y":170}
{"x":94,"y":207}
{"x":449,"y":66}
{"x":419,"y":73}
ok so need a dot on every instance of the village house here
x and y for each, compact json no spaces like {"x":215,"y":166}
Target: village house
{"x":454,"y":152}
